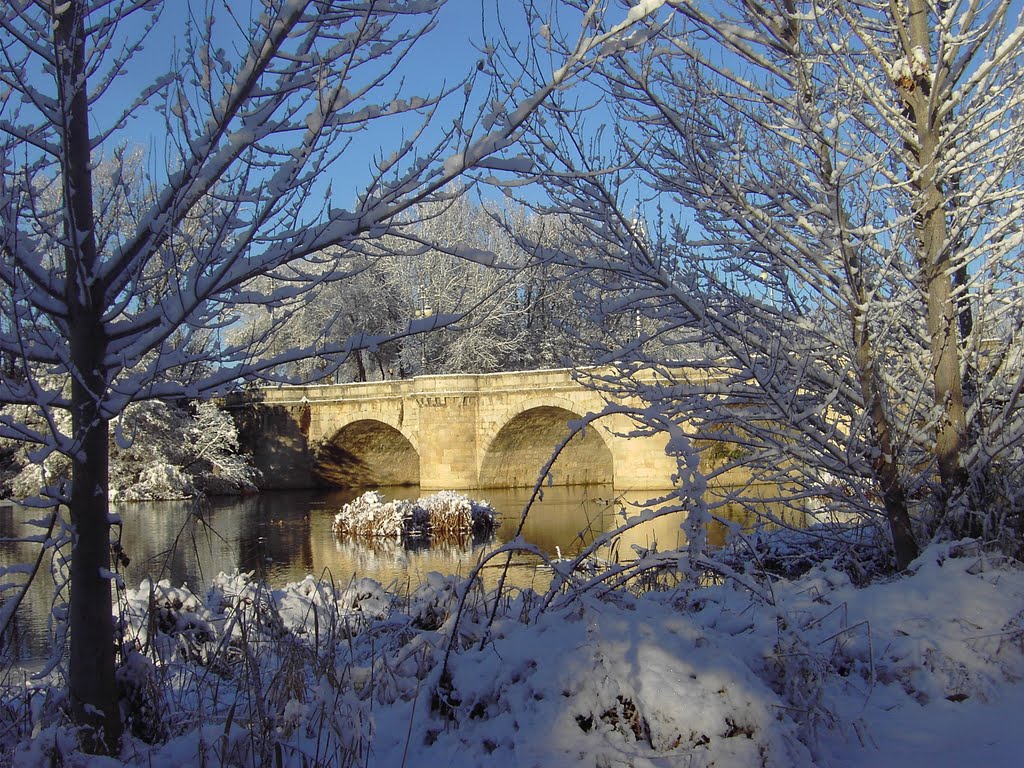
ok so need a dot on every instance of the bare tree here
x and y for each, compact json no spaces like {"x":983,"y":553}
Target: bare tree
{"x":437,"y":281}
{"x":835,"y":285}
{"x":513,"y":313}
{"x":261,"y":106}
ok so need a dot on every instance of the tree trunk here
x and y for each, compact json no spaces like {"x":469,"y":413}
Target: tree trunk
{"x":934,"y":259}
{"x":884,"y":466}
{"x":360,"y":368}
{"x":91,"y":685}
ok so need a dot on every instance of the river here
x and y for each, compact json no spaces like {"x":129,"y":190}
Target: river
{"x":283,"y":536}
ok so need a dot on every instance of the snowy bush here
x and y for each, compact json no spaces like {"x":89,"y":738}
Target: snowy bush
{"x":23,"y":471}
{"x":158,"y":451}
{"x":860,"y":551}
{"x":31,"y":478}
{"x":434,"y":601}
{"x":164,"y":451}
{"x":163,"y":620}
{"x":444,"y":514}
{"x":156,"y":481}
{"x":455,"y":514}
{"x":213,"y":459}
{"x":142,"y":697}
{"x":369,"y":515}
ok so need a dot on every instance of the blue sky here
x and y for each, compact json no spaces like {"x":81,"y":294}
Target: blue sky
{"x":443,"y":56}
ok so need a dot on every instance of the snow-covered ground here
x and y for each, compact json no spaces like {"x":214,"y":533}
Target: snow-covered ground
{"x":919,"y":670}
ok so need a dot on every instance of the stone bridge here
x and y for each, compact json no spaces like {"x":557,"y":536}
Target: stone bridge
{"x":457,"y":431}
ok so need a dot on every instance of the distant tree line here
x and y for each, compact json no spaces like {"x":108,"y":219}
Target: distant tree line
{"x":517,"y":312}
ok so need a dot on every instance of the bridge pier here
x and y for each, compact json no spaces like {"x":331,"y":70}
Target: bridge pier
{"x":448,"y":441}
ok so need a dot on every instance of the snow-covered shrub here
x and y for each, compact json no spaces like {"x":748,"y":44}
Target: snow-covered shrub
{"x":161,"y":620}
{"x":859,"y":551}
{"x":158,"y":451}
{"x":432,"y":602}
{"x":156,"y":481}
{"x":367,"y":597}
{"x":31,"y":478}
{"x":444,"y":514}
{"x":272,"y":653}
{"x":148,"y":453}
{"x":320,"y":612}
{"x":361,"y":603}
{"x":214,"y":461}
{"x":198,"y":450}
{"x":143,"y":703}
{"x":800,"y":673}
{"x":994,"y":511}
{"x":246,"y":607}
{"x":369,"y":515}
{"x":455,"y":514}
{"x":26,"y":469}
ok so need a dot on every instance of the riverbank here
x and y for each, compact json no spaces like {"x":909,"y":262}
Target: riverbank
{"x":922,"y":669}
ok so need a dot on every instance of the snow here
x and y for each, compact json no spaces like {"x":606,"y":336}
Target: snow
{"x":922,"y":669}
{"x":946,"y":636}
{"x":643,"y":9}
{"x":517,"y":164}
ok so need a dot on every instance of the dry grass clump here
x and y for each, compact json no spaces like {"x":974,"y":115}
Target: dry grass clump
{"x":445,"y":514}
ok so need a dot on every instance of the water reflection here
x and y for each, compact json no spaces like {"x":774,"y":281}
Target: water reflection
{"x":284,"y":536}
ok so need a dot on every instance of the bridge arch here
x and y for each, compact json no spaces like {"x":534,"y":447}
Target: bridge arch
{"x":515,"y":454}
{"x":366,"y":453}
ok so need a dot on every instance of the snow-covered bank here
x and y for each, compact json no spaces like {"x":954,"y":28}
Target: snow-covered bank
{"x":919,"y":670}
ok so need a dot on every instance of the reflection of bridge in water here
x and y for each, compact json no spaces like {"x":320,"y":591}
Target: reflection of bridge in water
{"x":458,"y":431}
